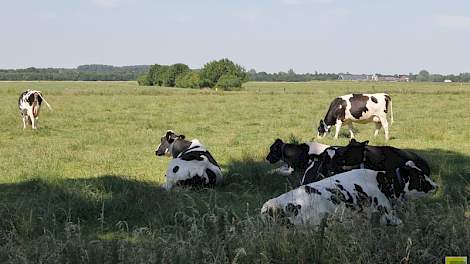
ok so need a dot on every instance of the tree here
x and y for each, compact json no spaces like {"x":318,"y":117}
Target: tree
{"x":212,"y":71}
{"x":229,"y":82}
{"x":188,"y":80}
{"x":423,"y":76}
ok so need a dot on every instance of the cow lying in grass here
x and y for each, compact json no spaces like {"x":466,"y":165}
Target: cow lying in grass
{"x":192,"y":164}
{"x":297,"y":156}
{"x":29,"y":104}
{"x":357,"y":155}
{"x":361,"y":191}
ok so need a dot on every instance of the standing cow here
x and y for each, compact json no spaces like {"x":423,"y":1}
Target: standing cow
{"x":29,"y":104}
{"x":358,"y":108}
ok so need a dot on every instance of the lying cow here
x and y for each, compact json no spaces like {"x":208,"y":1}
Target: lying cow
{"x":362,"y":191}
{"x":356,"y":155}
{"x":192,"y":164}
{"x":358,"y":108}
{"x":29,"y":104}
{"x":297,"y":156}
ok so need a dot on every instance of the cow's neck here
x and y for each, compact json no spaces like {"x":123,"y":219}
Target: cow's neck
{"x":179,"y":146}
{"x":330,"y":118}
{"x":295,"y":155}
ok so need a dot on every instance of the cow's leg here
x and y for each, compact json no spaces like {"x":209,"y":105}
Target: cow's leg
{"x":24,"y":120}
{"x":33,"y":120}
{"x":351,"y":133}
{"x":383,"y":120}
{"x":378,"y":125}
{"x":338,"y":127}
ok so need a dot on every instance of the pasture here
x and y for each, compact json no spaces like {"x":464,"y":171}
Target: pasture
{"x":85,"y":187}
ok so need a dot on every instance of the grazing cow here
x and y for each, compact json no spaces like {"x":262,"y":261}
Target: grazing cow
{"x":357,"y":155}
{"x":361,"y":191}
{"x":192,"y":164}
{"x":29,"y":104}
{"x":358,"y":108}
{"x":297,"y":156}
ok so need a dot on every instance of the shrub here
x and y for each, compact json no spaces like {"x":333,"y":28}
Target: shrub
{"x":144,"y":80}
{"x":229,"y":82}
{"x":214,"y":70}
{"x":188,"y":80}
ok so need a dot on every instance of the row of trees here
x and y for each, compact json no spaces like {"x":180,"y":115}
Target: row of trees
{"x":92,"y":72}
{"x":290,"y":76}
{"x":425,"y":76}
{"x":223,"y":74}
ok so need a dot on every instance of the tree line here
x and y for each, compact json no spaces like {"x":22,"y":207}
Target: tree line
{"x":290,"y":76}
{"x":224,"y":74}
{"x":91,"y":72}
{"x":425,"y":76}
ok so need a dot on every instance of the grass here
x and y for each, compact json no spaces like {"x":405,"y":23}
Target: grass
{"x":85,"y":187}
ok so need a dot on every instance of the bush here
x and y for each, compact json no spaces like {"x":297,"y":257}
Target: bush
{"x":229,"y":82}
{"x":188,"y":80}
{"x":214,"y":70}
{"x":144,"y":80}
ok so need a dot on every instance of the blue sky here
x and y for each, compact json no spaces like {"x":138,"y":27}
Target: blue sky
{"x":360,"y":36}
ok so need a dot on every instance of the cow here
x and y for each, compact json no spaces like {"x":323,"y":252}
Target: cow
{"x":361,"y":191}
{"x":29,"y":104}
{"x":356,"y":155}
{"x":297,"y":156}
{"x":357,"y":108}
{"x":191,"y":164}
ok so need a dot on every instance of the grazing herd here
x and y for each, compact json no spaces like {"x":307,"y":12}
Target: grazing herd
{"x":332,"y":180}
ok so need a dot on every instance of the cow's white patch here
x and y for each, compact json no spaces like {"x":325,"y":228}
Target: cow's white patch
{"x":331,"y":152}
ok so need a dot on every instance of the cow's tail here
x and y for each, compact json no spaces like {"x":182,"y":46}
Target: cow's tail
{"x":48,"y":105}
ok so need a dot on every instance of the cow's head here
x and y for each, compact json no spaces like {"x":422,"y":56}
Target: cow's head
{"x":275,"y":151}
{"x":323,"y":129}
{"x":416,"y":183}
{"x":272,"y":211}
{"x":165,"y":143}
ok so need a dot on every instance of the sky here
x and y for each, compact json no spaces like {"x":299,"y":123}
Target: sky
{"x":357,"y":36}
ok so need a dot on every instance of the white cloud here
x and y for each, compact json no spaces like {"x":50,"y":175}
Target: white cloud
{"x":106,"y":3}
{"x":462,"y":22}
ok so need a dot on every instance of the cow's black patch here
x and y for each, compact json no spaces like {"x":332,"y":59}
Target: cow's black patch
{"x":212,"y":177}
{"x":337,"y":111}
{"x":387,"y":100}
{"x":198,"y":155}
{"x":363,"y":200}
{"x":195,"y":181}
{"x":293,"y":209}
{"x":311,"y":190}
{"x":336,"y":196}
{"x":340,"y":187}
{"x":374,"y":99}
{"x":358,"y":105}
{"x":175,"y":169}
{"x":337,"y":181}
{"x":295,"y":155}
{"x":376,"y":202}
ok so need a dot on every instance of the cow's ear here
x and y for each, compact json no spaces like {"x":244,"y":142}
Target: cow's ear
{"x":352,"y":141}
{"x":365,"y":142}
{"x":278,"y":140}
{"x":182,"y":136}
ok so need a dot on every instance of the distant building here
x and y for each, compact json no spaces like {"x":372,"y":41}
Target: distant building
{"x":447,"y":81}
{"x":390,"y":78}
{"x":354,"y":77}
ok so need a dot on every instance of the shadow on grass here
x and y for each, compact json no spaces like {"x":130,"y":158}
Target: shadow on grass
{"x":40,"y":218}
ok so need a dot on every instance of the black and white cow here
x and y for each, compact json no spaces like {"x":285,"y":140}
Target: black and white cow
{"x":297,"y":156}
{"x":361,"y":191}
{"x":29,"y":104}
{"x":192,"y":164}
{"x":358,"y":108}
{"x":357,"y":155}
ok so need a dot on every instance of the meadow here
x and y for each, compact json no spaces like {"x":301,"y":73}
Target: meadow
{"x":85,"y":187}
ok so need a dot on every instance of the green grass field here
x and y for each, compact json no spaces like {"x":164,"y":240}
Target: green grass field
{"x":85,"y":187}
